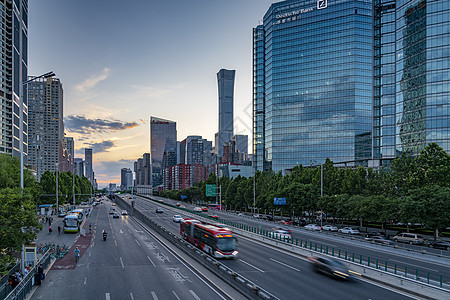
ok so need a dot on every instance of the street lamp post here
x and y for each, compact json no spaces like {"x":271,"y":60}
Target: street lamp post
{"x":46,"y":75}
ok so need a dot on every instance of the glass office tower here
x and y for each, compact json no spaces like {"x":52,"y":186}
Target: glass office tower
{"x":163,"y":147}
{"x":411,"y":76}
{"x":312,"y":84}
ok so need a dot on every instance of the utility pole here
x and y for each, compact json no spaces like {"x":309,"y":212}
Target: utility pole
{"x":321,"y":193}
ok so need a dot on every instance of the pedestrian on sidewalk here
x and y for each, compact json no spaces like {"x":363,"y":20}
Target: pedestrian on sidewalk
{"x":59,"y":229}
{"x":50,"y":229}
{"x":90,"y":228}
{"x":41,"y":272}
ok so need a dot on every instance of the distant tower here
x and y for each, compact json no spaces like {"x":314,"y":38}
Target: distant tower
{"x":88,"y":165}
{"x":225,"y":81}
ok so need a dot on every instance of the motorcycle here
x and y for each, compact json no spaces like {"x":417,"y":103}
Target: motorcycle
{"x":104,"y":236}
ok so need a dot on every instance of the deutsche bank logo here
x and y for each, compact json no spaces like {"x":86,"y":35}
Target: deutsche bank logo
{"x":322,"y":4}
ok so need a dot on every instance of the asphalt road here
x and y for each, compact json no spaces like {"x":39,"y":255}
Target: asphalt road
{"x":395,"y":258}
{"x":130,"y":264}
{"x":284,"y":275}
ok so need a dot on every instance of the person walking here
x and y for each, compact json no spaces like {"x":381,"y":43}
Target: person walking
{"x":90,"y":228}
{"x":50,"y":229}
{"x":59,"y":229}
{"x":41,"y":272}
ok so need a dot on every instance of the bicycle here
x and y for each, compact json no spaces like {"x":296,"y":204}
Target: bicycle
{"x":77,"y":257}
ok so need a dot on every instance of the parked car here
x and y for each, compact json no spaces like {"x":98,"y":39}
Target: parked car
{"x":159,"y":210}
{"x":177,"y":218}
{"x":439,"y":245}
{"x":379,"y":240}
{"x":330,"y":228}
{"x":349,"y":230}
{"x":410,"y":238}
{"x":377,"y":233}
{"x":312,"y":227}
{"x":330,"y":267}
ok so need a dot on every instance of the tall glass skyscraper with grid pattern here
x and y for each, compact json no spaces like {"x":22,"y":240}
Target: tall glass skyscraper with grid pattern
{"x":312,"y":84}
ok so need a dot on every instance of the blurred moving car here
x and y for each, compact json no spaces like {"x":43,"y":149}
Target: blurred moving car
{"x":379,"y":239}
{"x":330,"y":267}
{"x":62,"y":214}
{"x":377,"y":233}
{"x":299,"y":222}
{"x":204,"y":208}
{"x":214,"y":216}
{"x":281,"y":234}
{"x":241,"y":214}
{"x":268,"y":218}
{"x":257,"y":216}
{"x":112,"y":211}
{"x":116,"y":215}
{"x":159,"y":210}
{"x":161,"y":201}
{"x":177,"y":218}
{"x":312,"y":227}
{"x":330,"y":228}
{"x":197,"y":209}
{"x":124,"y":212}
{"x":410,"y":238}
{"x":439,"y":245}
{"x":178,"y":204}
{"x":349,"y":230}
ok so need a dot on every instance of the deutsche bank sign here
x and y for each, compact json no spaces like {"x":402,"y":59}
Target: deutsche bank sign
{"x":279,"y":201}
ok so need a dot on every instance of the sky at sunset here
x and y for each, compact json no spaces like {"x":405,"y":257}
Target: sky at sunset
{"x":121,"y":62}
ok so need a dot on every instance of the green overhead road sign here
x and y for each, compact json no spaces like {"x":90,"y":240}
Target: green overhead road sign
{"x":210,"y":190}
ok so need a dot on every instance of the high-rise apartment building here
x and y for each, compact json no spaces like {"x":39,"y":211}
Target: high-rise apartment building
{"x":79,"y":167}
{"x":225,"y":82}
{"x":70,"y":147}
{"x":411,"y":76}
{"x":14,"y":61}
{"x":163,"y":147}
{"x":89,"y":172}
{"x":312,"y":83}
{"x":46,"y":126}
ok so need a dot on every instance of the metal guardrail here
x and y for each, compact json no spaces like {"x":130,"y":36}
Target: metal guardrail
{"x":26,"y":284}
{"x":242,"y":284}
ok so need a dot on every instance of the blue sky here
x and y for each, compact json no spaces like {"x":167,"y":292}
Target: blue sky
{"x":120,"y":64}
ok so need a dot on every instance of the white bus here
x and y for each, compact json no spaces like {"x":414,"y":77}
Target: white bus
{"x":71,"y":223}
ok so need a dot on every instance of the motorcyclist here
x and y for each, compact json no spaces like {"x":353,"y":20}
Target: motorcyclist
{"x":104,"y":235}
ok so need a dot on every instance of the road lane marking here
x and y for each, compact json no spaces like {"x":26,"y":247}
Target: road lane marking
{"x":151,"y":261}
{"x":115,"y":242}
{"x":176,"y":296}
{"x":85,"y":280}
{"x":129,"y":231}
{"x":107,"y":296}
{"x":252,"y":266}
{"x":399,"y":261}
{"x":137,"y":242}
{"x":90,"y":254}
{"x":286,"y":265}
{"x":194,"y":295}
{"x":87,"y":266}
{"x":154,"y":295}
{"x":131,"y":296}
{"x":121,"y":262}
{"x":121,"y":231}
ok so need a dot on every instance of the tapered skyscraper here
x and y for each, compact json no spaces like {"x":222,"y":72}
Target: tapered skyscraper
{"x":225,"y":81}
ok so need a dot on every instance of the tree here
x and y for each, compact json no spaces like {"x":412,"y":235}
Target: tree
{"x":433,"y":167}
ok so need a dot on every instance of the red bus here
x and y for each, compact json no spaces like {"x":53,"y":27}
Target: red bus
{"x":216,"y":241}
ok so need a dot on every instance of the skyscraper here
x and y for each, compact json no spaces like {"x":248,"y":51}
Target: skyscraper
{"x":46,"y":126}
{"x":312,"y":83}
{"x":225,"y":82}
{"x":163,"y":147}
{"x":70,"y":147}
{"x":78,"y":167}
{"x":125,"y":181}
{"x":411,"y":76}
{"x":89,"y":173}
{"x":241,"y":143}
{"x":14,"y":59}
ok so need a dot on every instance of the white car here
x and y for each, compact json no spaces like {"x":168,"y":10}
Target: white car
{"x":281,"y":234}
{"x":257,"y":216}
{"x":177,"y":218}
{"x":330,"y":228}
{"x":197,"y":209}
{"x":349,"y":230}
{"x":312,"y":227}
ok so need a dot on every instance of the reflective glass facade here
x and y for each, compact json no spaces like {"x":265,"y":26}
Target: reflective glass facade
{"x":411,"y":76}
{"x":163,"y":147}
{"x":312,"y":83}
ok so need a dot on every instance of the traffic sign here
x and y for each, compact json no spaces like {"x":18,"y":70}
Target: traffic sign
{"x":210,"y":190}
{"x":279,"y":201}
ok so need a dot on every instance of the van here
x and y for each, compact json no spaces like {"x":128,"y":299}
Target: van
{"x":410,"y":238}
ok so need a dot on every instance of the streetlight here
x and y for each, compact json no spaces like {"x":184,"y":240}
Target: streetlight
{"x":46,"y":75}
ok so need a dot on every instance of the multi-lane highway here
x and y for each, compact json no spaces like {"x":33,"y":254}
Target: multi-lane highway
{"x":282,"y":274}
{"x":426,"y":265}
{"x":130,"y":264}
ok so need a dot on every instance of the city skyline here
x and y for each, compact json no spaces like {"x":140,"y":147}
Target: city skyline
{"x":116,"y":77}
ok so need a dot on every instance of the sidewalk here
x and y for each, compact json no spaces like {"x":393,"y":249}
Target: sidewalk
{"x":68,"y":261}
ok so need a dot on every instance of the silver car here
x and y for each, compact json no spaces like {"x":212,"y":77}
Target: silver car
{"x":330,"y":228}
